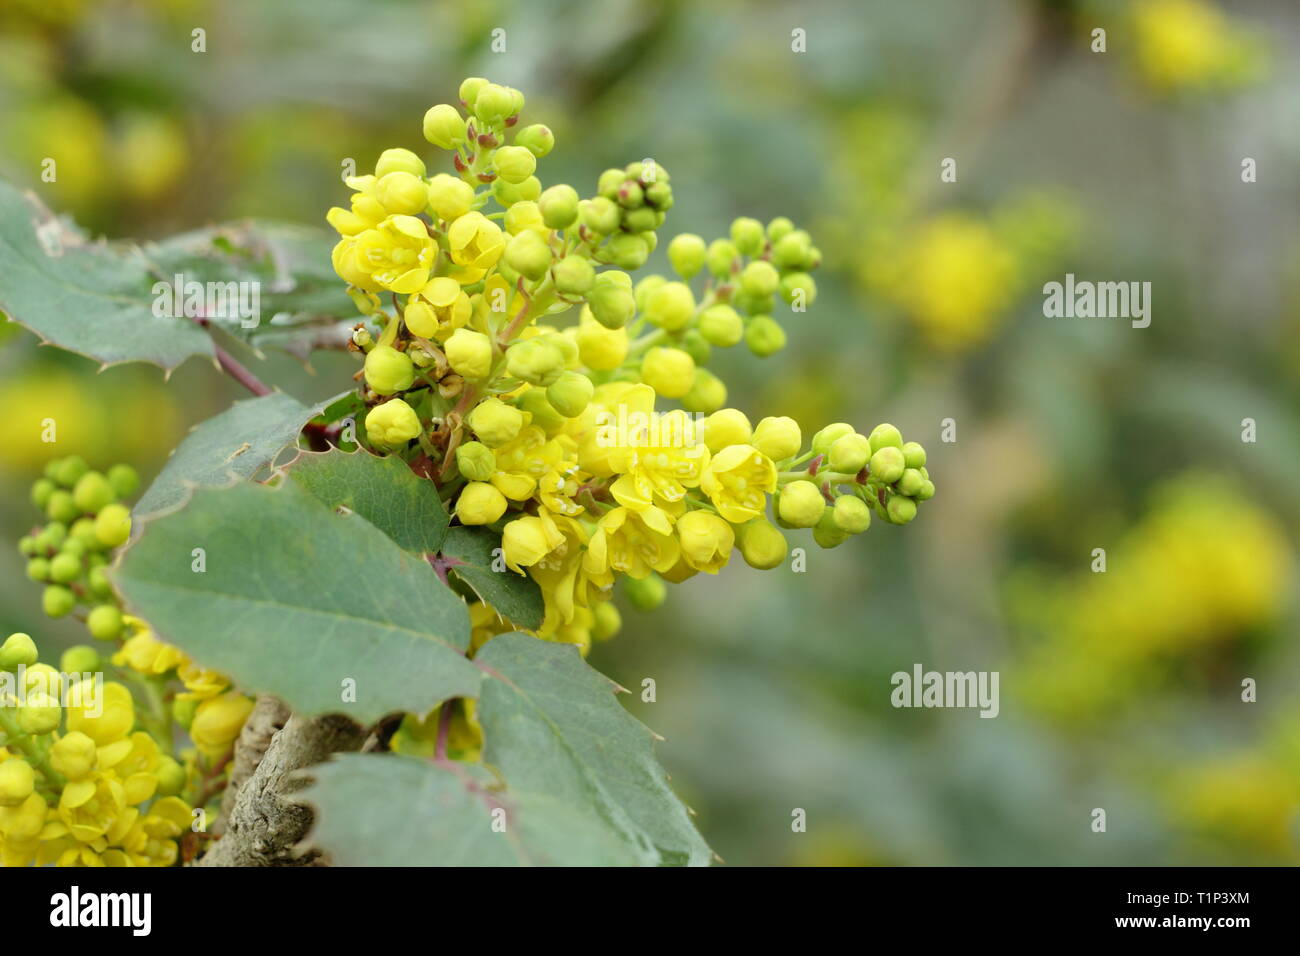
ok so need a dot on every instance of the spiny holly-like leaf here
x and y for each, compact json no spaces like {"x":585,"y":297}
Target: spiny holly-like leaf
{"x":291,"y":598}
{"x":384,"y":491}
{"x":93,"y":298}
{"x":514,"y":595}
{"x":374,"y":810}
{"x":551,"y":725}
{"x":230,"y":447}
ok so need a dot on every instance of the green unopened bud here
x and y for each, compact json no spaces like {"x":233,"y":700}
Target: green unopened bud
{"x":61,"y":507}
{"x":58,"y":601}
{"x":901,"y":509}
{"x":759,"y":278}
{"x":514,"y":164}
{"x":68,"y":471}
{"x":926,"y":491}
{"x":801,"y":504}
{"x":104,"y":622}
{"x":398,"y":160}
{"x":851,"y":514}
{"x":542,"y":412}
{"x":761,"y":544}
{"x":124,"y":479}
{"x":444,"y":127}
{"x":798,"y":289}
{"x":910,"y":483}
{"x":388,"y":370}
{"x":403,"y":194}
{"x":611,"y":302}
{"x":469,"y":354}
{"x":18,"y":650}
{"x":80,"y":659}
{"x":708,"y":393}
{"x":747,"y":234}
{"x":570,"y":394}
{"x":537,"y":139}
{"x":609,"y":183}
{"x":628,"y":250}
{"x":475,"y":460}
{"x":670,"y":306}
{"x":645,"y":594}
{"x":494,"y":103}
{"x":696,"y":346}
{"x":641,"y":220}
{"x":686,"y":254}
{"x":887,"y":464}
{"x":469,"y":88}
{"x":113,"y":525}
{"x":559,"y":206}
{"x":886,"y":435}
{"x":630,"y":195}
{"x":38,"y":569}
{"x":41,"y":491}
{"x":826,"y":532}
{"x":792,"y":251}
{"x":183,"y":711}
{"x":779,"y":228}
{"x":537,"y":361}
{"x":449,"y":197}
{"x":530,"y":190}
{"x":720,"y":257}
{"x":171,"y":776}
{"x":778,"y":437}
{"x":529,"y":255}
{"x":849,"y":453}
{"x":659,"y":195}
{"x":40,"y":714}
{"x":828,"y":436}
{"x":599,"y":215}
{"x":914,"y":455}
{"x":607,"y":621}
{"x":764,"y":336}
{"x":495,"y":422}
{"x":65,"y":567}
{"x":721,"y":325}
{"x":574,"y":275}
{"x":669,"y":371}
{"x":100,"y":586}
{"x":92,"y":492}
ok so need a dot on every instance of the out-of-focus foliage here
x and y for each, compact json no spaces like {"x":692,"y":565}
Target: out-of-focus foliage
{"x":1122,"y":689}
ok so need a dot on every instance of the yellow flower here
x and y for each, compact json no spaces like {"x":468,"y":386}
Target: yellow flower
{"x":706,"y":540}
{"x":485,"y":623}
{"x":146,"y":654}
{"x":21,"y":823}
{"x":1188,"y":45}
{"x":397,"y":255}
{"x":738,"y":480}
{"x":632,"y":542}
{"x":89,"y":807}
{"x":116,"y":712}
{"x":151,"y":841}
{"x":604,"y":427}
{"x":217,"y":723}
{"x":450,"y":308}
{"x":200,"y":683}
{"x":664,"y":458}
{"x":560,"y":574}
{"x":134,"y":761}
{"x":476,"y":243}
{"x":523,"y":460}
{"x":528,"y":539}
{"x":555,"y":490}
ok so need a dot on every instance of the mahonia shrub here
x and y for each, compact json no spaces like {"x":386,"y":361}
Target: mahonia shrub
{"x":532,"y":429}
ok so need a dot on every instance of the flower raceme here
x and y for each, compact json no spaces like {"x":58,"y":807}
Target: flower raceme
{"x":512,"y":358}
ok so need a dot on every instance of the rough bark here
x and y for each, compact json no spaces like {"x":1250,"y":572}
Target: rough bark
{"x":263,"y":827}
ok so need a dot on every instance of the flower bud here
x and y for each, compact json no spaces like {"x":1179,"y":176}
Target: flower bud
{"x":41,"y":491}
{"x":92,"y":492}
{"x":630,"y":195}
{"x":778,"y":437}
{"x":104,"y":622}
{"x":470,"y":354}
{"x":798,"y":286}
{"x":514,"y":164}
{"x":574,"y":275}
{"x":914,"y":455}
{"x":403,"y":194}
{"x":686,"y":254}
{"x":643,"y":220}
{"x":761,"y":544}
{"x":494,"y":103}
{"x":559,"y":206}
{"x":61,"y":507}
{"x":537,"y":139}
{"x":669,"y":371}
{"x":792,"y":251}
{"x":720,"y":257}
{"x":627,"y":250}
{"x":779,"y":228}
{"x":217,"y":722}
{"x":570,"y":394}
{"x":670,"y":306}
{"x":388,"y":370}
{"x":645,"y":594}
{"x":826,"y":532}
{"x":124,"y":480}
{"x":609,"y":183}
{"x":529,"y":255}
{"x":849,"y":453}
{"x":171,"y":776}
{"x":523,"y":216}
{"x":801,"y":504}
{"x":80,"y":659}
{"x":726,"y":427}
{"x":65,"y":567}
{"x":40,"y":714}
{"x":851,"y":514}
{"x":600,"y":215}
{"x":73,"y":755}
{"x":392,"y":424}
{"x":68,"y":471}
{"x":599,"y":348}
{"x":747,"y":234}
{"x":57,"y":601}
{"x":420,"y":319}
{"x":469,"y":88}
{"x":901,"y":509}
{"x":885,"y":436}
{"x":475,"y":460}
{"x":444,"y":127}
{"x":911,"y":483}
{"x":18,"y":650}
{"x":708,"y":393}
{"x":495,"y":422}
{"x":17,"y":781}
{"x":607,"y":621}
{"x":398,"y":160}
{"x":764,"y":336}
{"x":659,"y":195}
{"x":887,"y":464}
{"x":759,"y":278}
{"x":611,"y":302}
{"x":38,"y":569}
{"x":480,"y":503}
{"x":537,"y":361}
{"x":721,"y":325}
{"x":449,"y":197}
{"x":828,"y":436}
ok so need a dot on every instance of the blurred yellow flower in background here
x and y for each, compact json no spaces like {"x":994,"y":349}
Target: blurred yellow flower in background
{"x":1189,"y":45}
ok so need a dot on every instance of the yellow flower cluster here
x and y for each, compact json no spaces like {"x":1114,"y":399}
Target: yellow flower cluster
{"x":1190,"y":46}
{"x":1179,"y":582}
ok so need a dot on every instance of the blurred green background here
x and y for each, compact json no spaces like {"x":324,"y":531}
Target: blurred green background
{"x":1120,"y":690}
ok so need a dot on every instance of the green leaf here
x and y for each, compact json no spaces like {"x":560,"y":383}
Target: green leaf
{"x":516,"y":596}
{"x":228,"y":448}
{"x":552,"y":725}
{"x":383,"y":490}
{"x":92,"y":298}
{"x":374,"y":810}
{"x":296,"y":600}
